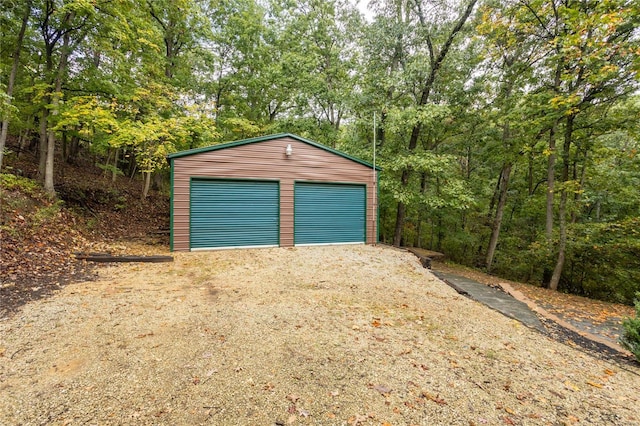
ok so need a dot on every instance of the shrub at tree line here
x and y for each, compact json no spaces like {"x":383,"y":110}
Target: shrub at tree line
{"x":631,"y":337}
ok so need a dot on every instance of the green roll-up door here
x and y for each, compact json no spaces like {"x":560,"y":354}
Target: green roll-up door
{"x":329,"y":213}
{"x":228,"y":213}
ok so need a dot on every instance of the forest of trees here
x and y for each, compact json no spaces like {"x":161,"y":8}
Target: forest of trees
{"x":507,"y":130}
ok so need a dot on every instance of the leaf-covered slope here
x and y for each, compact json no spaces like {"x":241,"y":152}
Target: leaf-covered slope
{"x":39,"y":236}
{"x":37,"y":241}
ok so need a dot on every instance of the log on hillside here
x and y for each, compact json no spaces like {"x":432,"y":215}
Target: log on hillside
{"x":426,"y":256}
{"x":104,"y":258}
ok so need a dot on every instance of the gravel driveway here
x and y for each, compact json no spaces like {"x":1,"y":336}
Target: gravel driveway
{"x":317,"y":335}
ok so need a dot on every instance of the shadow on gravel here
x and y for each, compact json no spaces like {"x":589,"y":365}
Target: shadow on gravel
{"x":17,"y":293}
{"x":593,"y":348}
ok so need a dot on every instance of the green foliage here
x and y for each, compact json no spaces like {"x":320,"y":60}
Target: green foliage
{"x":631,"y":337}
{"x":11,"y":182}
{"x":47,"y":213}
{"x":6,"y":108}
{"x":111,"y":169}
{"x":604,"y":260}
{"x":429,"y":116}
{"x":30,"y":204}
{"x":447,"y":192}
{"x":121,"y":203}
{"x":241,"y":128}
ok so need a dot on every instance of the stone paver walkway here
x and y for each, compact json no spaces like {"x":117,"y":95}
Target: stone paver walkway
{"x":514,"y":304}
{"x":494,"y":298}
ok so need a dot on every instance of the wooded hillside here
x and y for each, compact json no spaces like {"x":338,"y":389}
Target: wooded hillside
{"x":508,"y":131}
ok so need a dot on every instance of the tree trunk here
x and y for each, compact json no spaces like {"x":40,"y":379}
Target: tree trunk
{"x":21,"y":141}
{"x":55,"y":105}
{"x":48,"y":154}
{"x":505,"y":175}
{"x":494,"y":197}
{"x":74,"y":148}
{"x":562,"y":246}
{"x":12,"y":77}
{"x":552,"y":155}
{"x":42,"y":142}
{"x":440,"y":235}
{"x":400,"y":212}
{"x":530,"y":173}
{"x":26,"y":141}
{"x":105,"y":169}
{"x":578,"y":194}
{"x":65,"y":147}
{"x":147,"y":184}
{"x":48,"y":165}
{"x":423,"y":190}
{"x":380,"y":134}
{"x":114,"y":172}
{"x":551,"y":166}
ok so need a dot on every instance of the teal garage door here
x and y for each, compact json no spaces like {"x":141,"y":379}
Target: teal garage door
{"x":329,"y":213}
{"x":228,"y":213}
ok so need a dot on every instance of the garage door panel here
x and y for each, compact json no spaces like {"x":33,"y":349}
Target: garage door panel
{"x":329,"y":213}
{"x":234,"y":214}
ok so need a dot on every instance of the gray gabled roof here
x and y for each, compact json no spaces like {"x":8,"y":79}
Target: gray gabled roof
{"x":262,"y":139}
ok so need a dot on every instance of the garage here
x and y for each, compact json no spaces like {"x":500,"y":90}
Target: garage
{"x":276,"y":190}
{"x":328,"y":213}
{"x":233,"y":213}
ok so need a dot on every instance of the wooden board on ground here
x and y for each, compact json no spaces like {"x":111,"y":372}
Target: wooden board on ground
{"x":426,"y":256}
{"x":102,"y":257}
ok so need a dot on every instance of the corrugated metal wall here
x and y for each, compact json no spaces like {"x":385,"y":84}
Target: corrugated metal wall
{"x":267,"y":160}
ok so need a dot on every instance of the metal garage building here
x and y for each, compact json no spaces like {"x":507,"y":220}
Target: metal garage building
{"x":277,"y":190}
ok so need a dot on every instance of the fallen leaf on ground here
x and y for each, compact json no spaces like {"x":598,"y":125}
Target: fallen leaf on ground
{"x":357,"y":419}
{"x":434,"y":398}
{"x":508,"y":421}
{"x":571,"y":386}
{"x":382,"y":389}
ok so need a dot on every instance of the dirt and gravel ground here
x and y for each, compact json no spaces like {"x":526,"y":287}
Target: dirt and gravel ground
{"x":318,"y":335}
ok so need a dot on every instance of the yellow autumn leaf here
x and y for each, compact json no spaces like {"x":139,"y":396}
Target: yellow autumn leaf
{"x":571,"y":386}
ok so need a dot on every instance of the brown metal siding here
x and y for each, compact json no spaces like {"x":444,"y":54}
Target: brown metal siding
{"x":267,"y":160}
